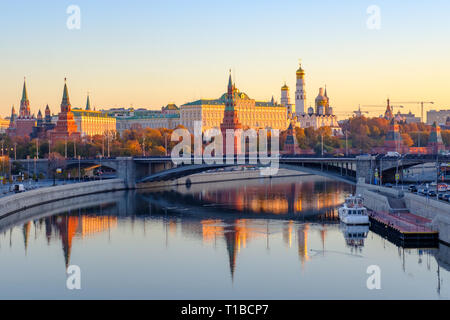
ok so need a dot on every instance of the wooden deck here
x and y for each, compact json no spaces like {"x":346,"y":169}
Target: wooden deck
{"x":404,"y":228}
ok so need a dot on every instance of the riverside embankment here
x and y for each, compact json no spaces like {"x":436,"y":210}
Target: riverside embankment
{"x":390,"y":200}
{"x":22,"y":201}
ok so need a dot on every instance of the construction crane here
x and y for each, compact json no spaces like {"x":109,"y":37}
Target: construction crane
{"x":359,"y":113}
{"x":382,"y":106}
{"x":422,"y":103}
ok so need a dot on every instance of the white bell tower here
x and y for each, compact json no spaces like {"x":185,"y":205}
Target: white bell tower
{"x":300,"y":93}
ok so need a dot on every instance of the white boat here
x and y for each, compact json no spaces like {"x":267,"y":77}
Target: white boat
{"x":353,"y":211}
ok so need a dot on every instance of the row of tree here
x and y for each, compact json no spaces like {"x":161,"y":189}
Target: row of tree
{"x":360,"y":133}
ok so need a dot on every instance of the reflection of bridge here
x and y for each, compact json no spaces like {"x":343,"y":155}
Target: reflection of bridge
{"x":138,"y":171}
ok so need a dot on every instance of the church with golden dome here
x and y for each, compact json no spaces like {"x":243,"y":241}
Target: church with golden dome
{"x":320,"y":116}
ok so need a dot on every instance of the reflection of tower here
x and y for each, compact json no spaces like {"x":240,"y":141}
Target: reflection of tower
{"x":323,"y":234}
{"x":287,"y":233}
{"x":303,"y":243}
{"x":48,"y":229}
{"x":26,"y":234}
{"x":291,"y":199}
{"x":230,"y":239}
{"x":67,"y":228}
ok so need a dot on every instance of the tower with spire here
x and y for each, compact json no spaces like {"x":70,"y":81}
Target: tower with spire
{"x":389,"y":114}
{"x":300,"y":92}
{"x":435,"y":142}
{"x":230,"y":121}
{"x":23,"y":124}
{"x":24,"y":111}
{"x":88,"y":103}
{"x":65,"y":128}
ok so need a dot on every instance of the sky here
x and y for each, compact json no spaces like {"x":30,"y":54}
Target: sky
{"x":151,"y":53}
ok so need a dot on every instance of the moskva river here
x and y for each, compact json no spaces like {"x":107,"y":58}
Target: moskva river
{"x":274,"y":238}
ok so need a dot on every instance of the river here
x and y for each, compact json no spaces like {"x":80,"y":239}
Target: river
{"x":274,"y":238}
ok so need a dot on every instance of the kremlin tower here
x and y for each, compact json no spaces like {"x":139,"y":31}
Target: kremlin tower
{"x":290,"y":145}
{"x":230,"y":120}
{"x":435,"y":142}
{"x":389,"y":114}
{"x":65,"y":128}
{"x":393,"y":141}
{"x":24,"y":123}
{"x":300,"y":93}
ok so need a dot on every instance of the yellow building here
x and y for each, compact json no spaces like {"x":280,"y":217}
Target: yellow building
{"x":91,"y":123}
{"x":251,"y":114}
{"x":4,"y":124}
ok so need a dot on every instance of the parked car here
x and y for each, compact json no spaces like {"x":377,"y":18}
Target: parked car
{"x":412,"y":188}
{"x":18,"y":188}
{"x":446,"y":197}
{"x":432,"y":193}
{"x":393,"y":154}
{"x":388,"y":185}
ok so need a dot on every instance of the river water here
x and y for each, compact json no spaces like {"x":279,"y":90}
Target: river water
{"x":274,"y":238}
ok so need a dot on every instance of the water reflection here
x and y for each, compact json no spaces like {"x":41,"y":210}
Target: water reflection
{"x":283,"y":234}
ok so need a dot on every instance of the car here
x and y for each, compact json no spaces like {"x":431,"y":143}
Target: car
{"x":19,"y":188}
{"x":446,"y":197}
{"x":412,"y":188}
{"x":441,"y":196}
{"x":388,"y":185}
{"x":432,"y":193}
{"x":393,"y":154}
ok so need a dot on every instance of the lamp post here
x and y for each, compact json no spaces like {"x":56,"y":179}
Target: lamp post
{"x":79,"y":168}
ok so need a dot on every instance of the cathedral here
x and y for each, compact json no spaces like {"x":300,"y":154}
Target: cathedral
{"x":320,"y":116}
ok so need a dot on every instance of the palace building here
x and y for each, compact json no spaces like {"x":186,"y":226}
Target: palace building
{"x":127,"y":119}
{"x":251,"y":113}
{"x":91,"y":123}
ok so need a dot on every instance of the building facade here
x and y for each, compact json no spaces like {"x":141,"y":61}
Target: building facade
{"x":91,"y":123}
{"x":251,"y":113}
{"x":440,"y":117}
{"x":320,"y":116}
{"x":127,"y":119}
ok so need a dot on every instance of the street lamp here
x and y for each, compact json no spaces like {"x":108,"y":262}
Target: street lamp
{"x":79,"y":168}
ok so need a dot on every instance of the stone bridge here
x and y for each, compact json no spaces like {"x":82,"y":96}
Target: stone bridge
{"x":138,"y":170}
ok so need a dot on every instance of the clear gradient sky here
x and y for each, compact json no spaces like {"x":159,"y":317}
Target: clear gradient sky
{"x":150,"y":53}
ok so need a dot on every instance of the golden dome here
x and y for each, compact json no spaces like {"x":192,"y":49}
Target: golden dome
{"x":300,"y":70}
{"x":285,"y":87}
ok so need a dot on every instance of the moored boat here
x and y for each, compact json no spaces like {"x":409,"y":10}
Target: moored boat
{"x":353,"y":211}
